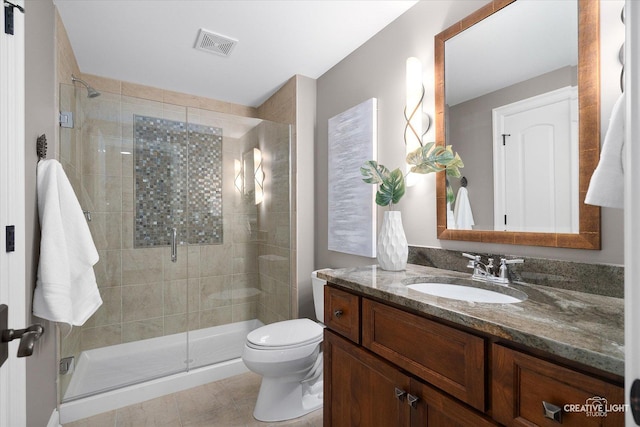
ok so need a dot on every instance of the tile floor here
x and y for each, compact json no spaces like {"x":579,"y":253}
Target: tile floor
{"x":224,"y":403}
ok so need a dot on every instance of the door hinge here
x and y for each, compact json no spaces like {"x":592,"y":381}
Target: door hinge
{"x":504,"y":138}
{"x":10,"y":238}
{"x":66,"y":119}
{"x":8,"y":16}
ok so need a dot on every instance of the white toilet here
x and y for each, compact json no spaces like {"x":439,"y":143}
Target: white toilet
{"x":288,"y":355}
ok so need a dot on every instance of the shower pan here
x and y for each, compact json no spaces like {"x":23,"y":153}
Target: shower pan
{"x":189,"y":263}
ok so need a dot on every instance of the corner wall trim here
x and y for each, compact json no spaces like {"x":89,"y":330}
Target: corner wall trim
{"x":54,"y":420}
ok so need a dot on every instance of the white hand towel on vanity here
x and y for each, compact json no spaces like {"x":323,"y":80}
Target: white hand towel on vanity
{"x":66,"y":289}
{"x":462,"y":211}
{"x":607,"y":182}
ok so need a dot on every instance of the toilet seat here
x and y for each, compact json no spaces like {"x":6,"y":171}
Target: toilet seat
{"x":286,"y":334}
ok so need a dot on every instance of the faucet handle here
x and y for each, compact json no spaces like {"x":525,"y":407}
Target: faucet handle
{"x":475,"y":259}
{"x":511,"y":261}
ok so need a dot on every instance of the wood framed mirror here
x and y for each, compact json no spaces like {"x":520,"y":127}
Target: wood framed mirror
{"x":585,"y":232}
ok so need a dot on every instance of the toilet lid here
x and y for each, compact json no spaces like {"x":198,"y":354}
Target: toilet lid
{"x":286,"y":333}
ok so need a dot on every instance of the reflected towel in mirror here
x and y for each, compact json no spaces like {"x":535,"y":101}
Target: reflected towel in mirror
{"x":462,"y":211}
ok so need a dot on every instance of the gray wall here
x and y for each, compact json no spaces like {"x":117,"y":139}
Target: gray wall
{"x":377,"y":69}
{"x":304,"y":187}
{"x":470,"y":131}
{"x":40,"y":108}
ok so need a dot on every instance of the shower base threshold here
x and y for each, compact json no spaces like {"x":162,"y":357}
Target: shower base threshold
{"x":111,"y":377}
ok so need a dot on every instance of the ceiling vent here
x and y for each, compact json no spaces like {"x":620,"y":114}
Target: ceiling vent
{"x":215,"y":43}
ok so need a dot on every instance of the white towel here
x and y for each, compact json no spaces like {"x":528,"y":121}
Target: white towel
{"x":607,"y":182}
{"x":66,"y":289}
{"x":451,"y":220}
{"x":462,"y":211}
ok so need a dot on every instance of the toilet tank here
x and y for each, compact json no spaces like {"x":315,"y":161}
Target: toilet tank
{"x":318,"y":295}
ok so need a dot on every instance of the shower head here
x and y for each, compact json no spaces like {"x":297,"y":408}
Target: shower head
{"x":91,"y":92}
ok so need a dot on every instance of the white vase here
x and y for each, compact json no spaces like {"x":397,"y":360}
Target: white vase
{"x":393,"y":249}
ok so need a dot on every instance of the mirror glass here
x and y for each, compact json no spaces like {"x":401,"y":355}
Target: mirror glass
{"x":510,"y":102}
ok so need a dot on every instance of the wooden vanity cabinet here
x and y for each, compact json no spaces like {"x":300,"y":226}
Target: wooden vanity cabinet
{"x":364,"y":390}
{"x":370,"y":390}
{"x":386,"y":367}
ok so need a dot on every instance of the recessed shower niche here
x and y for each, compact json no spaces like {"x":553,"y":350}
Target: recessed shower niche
{"x":178,"y":182}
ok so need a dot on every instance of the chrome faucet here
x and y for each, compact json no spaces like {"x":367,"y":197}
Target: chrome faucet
{"x":485,"y":272}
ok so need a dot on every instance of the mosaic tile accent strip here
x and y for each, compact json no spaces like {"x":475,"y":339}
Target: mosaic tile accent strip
{"x":205,"y":185}
{"x":178,"y":182}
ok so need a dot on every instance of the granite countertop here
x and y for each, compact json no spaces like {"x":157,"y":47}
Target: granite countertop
{"x":582,"y":327}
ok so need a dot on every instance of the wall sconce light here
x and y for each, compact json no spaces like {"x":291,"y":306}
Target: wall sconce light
{"x":417,"y":123}
{"x":239,"y":176}
{"x":258,"y":174}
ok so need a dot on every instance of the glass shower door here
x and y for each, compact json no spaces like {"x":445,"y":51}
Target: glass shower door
{"x":123,"y":158}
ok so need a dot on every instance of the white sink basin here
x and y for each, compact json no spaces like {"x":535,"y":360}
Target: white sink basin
{"x":470,"y":293}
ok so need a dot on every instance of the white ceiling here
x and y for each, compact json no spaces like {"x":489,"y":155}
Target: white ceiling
{"x":151,"y":42}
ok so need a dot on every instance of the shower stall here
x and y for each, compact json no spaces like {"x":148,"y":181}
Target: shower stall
{"x":190,"y":212}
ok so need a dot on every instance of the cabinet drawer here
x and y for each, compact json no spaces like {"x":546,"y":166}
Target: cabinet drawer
{"x":342,"y":313}
{"x":521,"y":383}
{"x":451,"y":360}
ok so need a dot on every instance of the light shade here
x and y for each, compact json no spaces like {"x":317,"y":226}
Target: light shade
{"x":258,"y":174}
{"x":413,"y":110}
{"x":238,"y":181}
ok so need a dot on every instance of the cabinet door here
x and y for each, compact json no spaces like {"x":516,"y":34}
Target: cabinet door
{"x":435,"y":409}
{"x":360,"y":389}
{"x":521,"y":383}
{"x":449,"y":359}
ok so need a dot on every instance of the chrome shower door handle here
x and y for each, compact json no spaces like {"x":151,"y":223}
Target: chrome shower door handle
{"x":174,"y":245}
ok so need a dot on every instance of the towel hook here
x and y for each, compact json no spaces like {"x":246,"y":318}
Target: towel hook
{"x":463,"y":181}
{"x":41,"y":146}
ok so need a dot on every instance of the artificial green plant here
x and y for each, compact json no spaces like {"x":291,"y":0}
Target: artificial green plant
{"x":426,"y":159}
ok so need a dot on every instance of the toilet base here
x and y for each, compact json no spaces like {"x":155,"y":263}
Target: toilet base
{"x":281,"y":400}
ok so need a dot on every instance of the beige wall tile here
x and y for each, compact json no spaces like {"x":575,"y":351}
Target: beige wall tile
{"x":175,"y":297}
{"x":141,"y":91}
{"x":108,"y":270}
{"x":101,"y":155}
{"x":101,"y":336}
{"x":178,"y":269}
{"x":216,"y":260}
{"x":246,"y":311}
{"x":105,"y":229}
{"x":281,"y":107}
{"x":110,"y":312}
{"x":215,"y":291}
{"x":142,"y":330}
{"x":141,"y":302}
{"x":215,"y":317}
{"x":175,"y":324}
{"x":128,"y":204}
{"x":102,"y":84}
{"x":141,"y":266}
{"x":194,"y":261}
{"x":104,"y":193}
{"x":178,"y":98}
